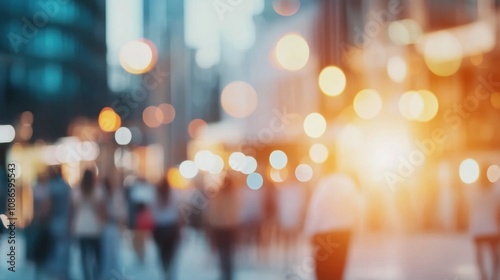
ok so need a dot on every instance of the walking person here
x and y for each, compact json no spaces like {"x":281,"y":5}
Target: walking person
{"x":484,"y":228}
{"x":223,"y":222}
{"x":330,"y":222}
{"x":141,"y":198}
{"x":88,"y":222}
{"x":38,"y":238}
{"x":116,"y":215}
{"x":166,"y":225}
{"x":59,"y":224}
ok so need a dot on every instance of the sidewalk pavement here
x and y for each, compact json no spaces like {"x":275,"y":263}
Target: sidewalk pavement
{"x":372,"y":256}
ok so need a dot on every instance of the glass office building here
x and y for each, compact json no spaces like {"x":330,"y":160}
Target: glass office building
{"x":52,"y":52}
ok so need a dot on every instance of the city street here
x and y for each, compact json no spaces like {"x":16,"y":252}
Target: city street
{"x":373,"y":256}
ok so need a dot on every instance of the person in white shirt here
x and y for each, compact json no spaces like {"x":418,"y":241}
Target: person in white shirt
{"x":330,"y":221}
{"x":484,"y":228}
{"x":88,"y":224}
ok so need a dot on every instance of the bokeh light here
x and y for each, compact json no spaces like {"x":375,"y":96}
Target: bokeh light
{"x":404,"y":32}
{"x":7,"y":133}
{"x":469,"y":171}
{"x":443,"y":54}
{"x":314,"y":125}
{"x":188,"y":169}
{"x":431,"y":106}
{"x":397,"y":69}
{"x":304,"y":173}
{"x":195,"y":127}
{"x":250,"y":166}
{"x":292,"y":52}
{"x":239,"y":99}
{"x":332,"y":81}
{"x":318,"y":153}
{"x":204,"y":160}
{"x":237,"y":161}
{"x":495,"y":100}
{"x":152,"y":116}
{"x":217,"y":164}
{"x":278,"y":159}
{"x":255,"y":181}
{"x":493,"y":173}
{"x":108,"y":120}
{"x":421,"y":105}
{"x":123,"y":136}
{"x":367,"y":104}
{"x":286,"y":8}
{"x":138,"y":57}
{"x":168,"y":113}
{"x":26,"y":118}
{"x":411,"y":105}
{"x":278,"y":176}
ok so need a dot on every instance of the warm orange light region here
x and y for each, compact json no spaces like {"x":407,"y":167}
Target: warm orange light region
{"x":239,"y":99}
{"x":286,"y":8}
{"x":108,"y":120}
{"x":367,"y":104}
{"x":332,"y":81}
{"x":443,"y":54}
{"x":292,"y":52}
{"x":495,"y":100}
{"x":138,"y":57}
{"x":152,"y":116}
{"x":176,"y":179}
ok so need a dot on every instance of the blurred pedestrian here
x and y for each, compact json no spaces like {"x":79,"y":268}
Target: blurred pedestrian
{"x":291,"y":198}
{"x":141,"y":198}
{"x":59,"y":224}
{"x":251,"y":216}
{"x":88,"y":223}
{"x":330,"y":222}
{"x":484,"y":228}
{"x":269,"y":226}
{"x":116,"y":215}
{"x":166,"y":225}
{"x":38,"y":237}
{"x":223,"y":222}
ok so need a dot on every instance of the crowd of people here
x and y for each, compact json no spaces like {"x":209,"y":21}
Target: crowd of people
{"x":236,"y":221}
{"x":96,"y":213}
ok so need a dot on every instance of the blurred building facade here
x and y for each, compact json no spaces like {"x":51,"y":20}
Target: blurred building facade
{"x":52,"y":63}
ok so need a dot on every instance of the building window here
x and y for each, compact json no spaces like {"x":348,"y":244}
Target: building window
{"x":52,"y":78}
